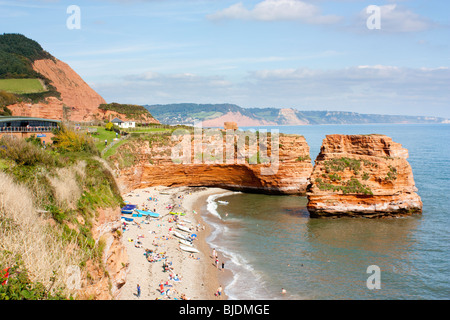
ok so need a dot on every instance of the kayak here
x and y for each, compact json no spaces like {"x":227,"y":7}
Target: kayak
{"x":179,"y":235}
{"x":183,"y":228}
{"x":188,"y":249}
{"x":185,"y":242}
{"x":186,"y":220}
{"x":222,"y":202}
{"x":148,"y":213}
{"x":127,"y":219}
{"x":129,"y":208}
{"x":178,"y":213}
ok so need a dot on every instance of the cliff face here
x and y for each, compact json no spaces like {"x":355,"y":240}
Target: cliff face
{"x":154,"y":166}
{"x":76,"y":94}
{"x":362,"y":175}
{"x":52,"y":108}
{"x":78,"y":102}
{"x":115,"y":259}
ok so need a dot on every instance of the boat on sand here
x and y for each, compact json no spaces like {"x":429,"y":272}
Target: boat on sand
{"x":183,"y":228}
{"x":189,"y":249}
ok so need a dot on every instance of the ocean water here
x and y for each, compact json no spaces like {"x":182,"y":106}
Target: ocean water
{"x":270,"y":242}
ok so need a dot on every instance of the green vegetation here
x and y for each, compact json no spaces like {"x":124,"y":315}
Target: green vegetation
{"x":333,"y":181}
{"x":129,"y":110}
{"x":101,"y":135}
{"x":20,"y":287}
{"x":70,"y":183}
{"x":21,"y":86}
{"x":303,"y":158}
{"x":7,"y":99}
{"x":341,"y":164}
{"x":352,"y":186}
{"x":392,"y":174}
{"x":17,"y":54}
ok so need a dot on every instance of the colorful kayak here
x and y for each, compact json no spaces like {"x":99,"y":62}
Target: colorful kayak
{"x":129,"y":208}
{"x":148,"y":213}
{"x":178,"y":213}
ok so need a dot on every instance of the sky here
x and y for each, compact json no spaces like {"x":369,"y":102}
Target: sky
{"x":377,"y":56}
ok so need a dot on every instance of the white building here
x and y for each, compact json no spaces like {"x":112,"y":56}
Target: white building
{"x":124,"y":124}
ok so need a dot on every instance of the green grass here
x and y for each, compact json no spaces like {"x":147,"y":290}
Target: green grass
{"x":21,"y":86}
{"x":145,"y":130}
{"x":103,"y":135}
{"x":113,"y":149}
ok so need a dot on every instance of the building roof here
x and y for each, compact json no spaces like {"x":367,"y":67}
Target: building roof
{"x":16,"y":118}
{"x":117,"y":120}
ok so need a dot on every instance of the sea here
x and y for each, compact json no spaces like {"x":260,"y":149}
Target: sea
{"x":270,"y":243}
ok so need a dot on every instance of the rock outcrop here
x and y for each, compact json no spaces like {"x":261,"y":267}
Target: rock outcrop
{"x":106,"y":280}
{"x":154,"y":165}
{"x":362,"y":175}
{"x":51,"y":108}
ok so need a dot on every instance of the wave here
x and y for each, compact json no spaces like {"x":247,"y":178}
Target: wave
{"x":212,"y":204}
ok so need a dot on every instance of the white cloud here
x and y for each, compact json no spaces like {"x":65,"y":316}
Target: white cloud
{"x":365,"y":89}
{"x":276,"y":10}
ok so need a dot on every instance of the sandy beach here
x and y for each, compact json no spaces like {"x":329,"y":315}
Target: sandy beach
{"x":193,"y":276}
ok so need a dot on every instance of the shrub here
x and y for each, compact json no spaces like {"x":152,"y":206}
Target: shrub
{"x":67,"y":140}
{"x":20,"y":287}
{"x":341,"y":164}
{"x":109,"y":126}
{"x":23,"y":152}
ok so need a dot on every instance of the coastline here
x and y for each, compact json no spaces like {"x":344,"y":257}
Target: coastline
{"x":200,"y":278}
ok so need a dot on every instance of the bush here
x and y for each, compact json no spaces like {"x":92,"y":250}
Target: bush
{"x":20,"y":287}
{"x":109,"y":126}
{"x":23,"y":152}
{"x":67,"y":140}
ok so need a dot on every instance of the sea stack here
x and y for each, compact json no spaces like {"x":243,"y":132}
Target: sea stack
{"x":362,"y":175}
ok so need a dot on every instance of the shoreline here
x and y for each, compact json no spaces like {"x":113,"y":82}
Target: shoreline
{"x":200,"y":278}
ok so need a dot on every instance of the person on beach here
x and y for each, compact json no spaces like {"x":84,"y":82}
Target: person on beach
{"x":138,"y":290}
{"x":214,"y":253}
{"x":161,"y":286}
{"x":283,"y":291}
{"x":223,"y":265}
{"x":217,"y":263}
{"x":219,"y":291}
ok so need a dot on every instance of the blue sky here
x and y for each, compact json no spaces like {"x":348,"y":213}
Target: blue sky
{"x":304,"y":54}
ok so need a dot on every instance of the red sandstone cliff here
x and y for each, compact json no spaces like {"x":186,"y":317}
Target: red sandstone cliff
{"x":362,"y":175}
{"x":153,"y":165}
{"x":78,"y":101}
{"x":76,"y":94}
